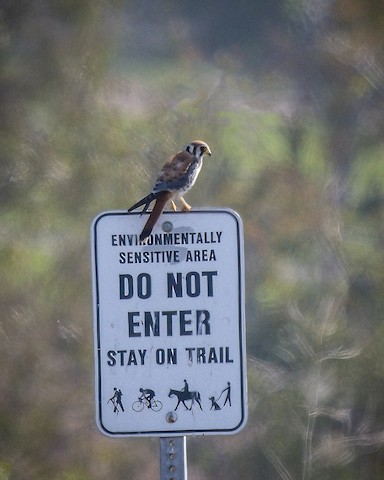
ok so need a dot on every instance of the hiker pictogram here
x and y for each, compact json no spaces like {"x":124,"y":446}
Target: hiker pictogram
{"x":116,"y":400}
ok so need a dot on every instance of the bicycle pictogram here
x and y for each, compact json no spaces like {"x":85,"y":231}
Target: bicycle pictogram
{"x":147,"y":399}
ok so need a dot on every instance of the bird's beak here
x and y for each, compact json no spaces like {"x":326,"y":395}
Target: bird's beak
{"x":208,"y":152}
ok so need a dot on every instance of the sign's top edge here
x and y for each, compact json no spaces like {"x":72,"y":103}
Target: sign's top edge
{"x":225,"y":210}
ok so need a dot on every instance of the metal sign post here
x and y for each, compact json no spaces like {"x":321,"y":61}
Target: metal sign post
{"x":173,"y":458}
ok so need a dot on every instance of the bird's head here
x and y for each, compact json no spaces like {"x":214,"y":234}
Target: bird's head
{"x":198,"y":148}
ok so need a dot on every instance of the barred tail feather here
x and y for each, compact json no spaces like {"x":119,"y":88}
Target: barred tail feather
{"x":161,"y":199}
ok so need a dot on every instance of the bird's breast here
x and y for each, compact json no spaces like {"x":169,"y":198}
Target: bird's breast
{"x":191,"y":176}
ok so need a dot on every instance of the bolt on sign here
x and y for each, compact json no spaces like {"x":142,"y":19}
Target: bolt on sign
{"x":169,"y":324}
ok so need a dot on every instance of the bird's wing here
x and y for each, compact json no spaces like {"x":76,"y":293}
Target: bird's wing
{"x":144,"y":201}
{"x":174,"y":173}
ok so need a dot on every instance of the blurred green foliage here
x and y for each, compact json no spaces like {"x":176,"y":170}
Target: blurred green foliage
{"x":95,"y":95}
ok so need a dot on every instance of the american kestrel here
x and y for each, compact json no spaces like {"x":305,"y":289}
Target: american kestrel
{"x":177,"y":176}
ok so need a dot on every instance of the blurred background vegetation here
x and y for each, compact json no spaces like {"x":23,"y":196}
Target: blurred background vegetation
{"x":95,"y":95}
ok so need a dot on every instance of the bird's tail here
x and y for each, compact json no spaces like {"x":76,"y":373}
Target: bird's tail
{"x":146,"y":201}
{"x":161,"y":199}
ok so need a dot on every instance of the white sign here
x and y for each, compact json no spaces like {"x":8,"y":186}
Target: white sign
{"x":169,"y":324}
